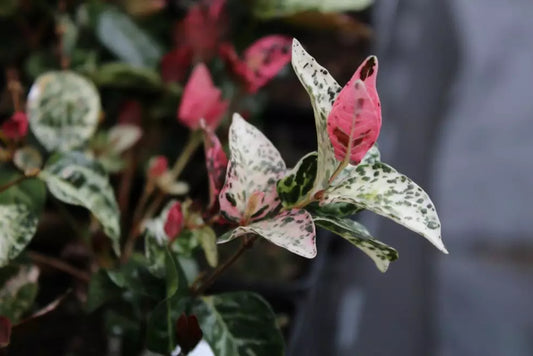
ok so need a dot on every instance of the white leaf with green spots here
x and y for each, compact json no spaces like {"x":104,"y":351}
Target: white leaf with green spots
{"x":358,"y":235}
{"x":18,"y":289}
{"x":249,"y":192}
{"x":323,"y":90}
{"x":293,"y":230}
{"x":76,"y":179}
{"x":239,"y":323}
{"x":293,"y":189}
{"x":371,"y":157}
{"x":279,"y":8}
{"x":63,"y":109}
{"x":20,"y":207}
{"x":382,"y":190}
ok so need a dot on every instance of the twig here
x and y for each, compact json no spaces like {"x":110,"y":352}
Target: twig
{"x":59,"y":265}
{"x":247,"y":243}
{"x":12,"y":183}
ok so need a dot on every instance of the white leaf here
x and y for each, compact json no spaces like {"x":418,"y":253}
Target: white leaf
{"x":123,"y":136}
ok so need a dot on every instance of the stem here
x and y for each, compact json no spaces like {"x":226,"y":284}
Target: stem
{"x":12,"y":183}
{"x":247,"y":243}
{"x":339,"y":169}
{"x":59,"y":265}
{"x":194,"y":140}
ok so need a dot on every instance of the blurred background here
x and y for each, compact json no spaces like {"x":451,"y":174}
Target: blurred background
{"x":455,"y":83}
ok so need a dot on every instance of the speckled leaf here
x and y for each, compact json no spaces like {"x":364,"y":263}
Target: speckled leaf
{"x":381,"y":189}
{"x":358,"y":235}
{"x":323,"y":91}
{"x":249,"y":192}
{"x":20,"y":206}
{"x":239,"y":323}
{"x":294,"y":188}
{"x":371,"y":157}
{"x":18,"y":289}
{"x":279,"y":8}
{"x":293,"y":230}
{"x":63,"y":110}
{"x":75,"y":179}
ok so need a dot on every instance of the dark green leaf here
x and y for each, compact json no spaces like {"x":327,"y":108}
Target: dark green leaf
{"x":101,"y":291}
{"x":296,"y":186}
{"x":239,"y":323}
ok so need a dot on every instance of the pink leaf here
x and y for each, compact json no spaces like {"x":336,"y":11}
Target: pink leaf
{"x":16,"y":126}
{"x":174,"y":222}
{"x":174,"y":64}
{"x":201,"y":100}
{"x":262,"y":60}
{"x":216,"y":162}
{"x":355,"y":118}
{"x":157,"y":166}
{"x":202,"y":29}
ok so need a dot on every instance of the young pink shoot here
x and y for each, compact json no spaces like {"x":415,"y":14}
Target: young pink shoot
{"x":174,"y":223}
{"x":216,"y":163}
{"x":16,"y":127}
{"x":201,"y":100}
{"x":261,"y":62}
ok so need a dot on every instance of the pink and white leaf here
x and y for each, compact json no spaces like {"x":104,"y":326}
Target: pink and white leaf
{"x":293,"y":230}
{"x":216,"y":163}
{"x":249,"y":191}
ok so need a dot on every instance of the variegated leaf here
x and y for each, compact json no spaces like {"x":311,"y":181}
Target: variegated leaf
{"x":323,"y":91}
{"x":75,"y":179}
{"x":18,"y":289}
{"x":371,"y":157}
{"x":239,"y":323}
{"x":63,"y":110}
{"x":20,"y":207}
{"x":280,"y":8}
{"x":293,"y":230}
{"x":216,"y":163}
{"x":249,"y":192}
{"x":123,"y":136}
{"x":294,"y":188}
{"x":335,"y":209}
{"x":28,"y":160}
{"x":381,"y":189}
{"x":358,"y":235}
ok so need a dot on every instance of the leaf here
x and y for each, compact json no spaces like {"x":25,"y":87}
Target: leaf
{"x":381,"y":189}
{"x":355,"y":118}
{"x":121,"y":75}
{"x":123,"y":136}
{"x":126,"y":40}
{"x":323,"y":91}
{"x":249,"y":192}
{"x":216,"y":163}
{"x":101,"y":291}
{"x":75,"y":179}
{"x":371,"y":157}
{"x":294,"y":188}
{"x":18,"y":289}
{"x":239,"y":323}
{"x":293,"y":230}
{"x":28,"y":160}
{"x":358,"y":235}
{"x":208,"y":240}
{"x":20,"y":207}
{"x":63,"y":109}
{"x":266,"y":9}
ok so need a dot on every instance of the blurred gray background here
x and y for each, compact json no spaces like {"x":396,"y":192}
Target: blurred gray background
{"x":456,"y":84}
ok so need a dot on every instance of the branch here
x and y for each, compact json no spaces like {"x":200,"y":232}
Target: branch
{"x":59,"y":265}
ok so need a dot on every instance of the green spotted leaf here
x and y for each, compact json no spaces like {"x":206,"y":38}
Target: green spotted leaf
{"x":358,"y":235}
{"x":279,"y":8}
{"x":20,"y":207}
{"x":239,"y":323}
{"x":126,"y":40}
{"x":381,"y":189}
{"x":323,"y":90}
{"x":63,"y":109}
{"x":293,"y":189}
{"x":76,"y":179}
{"x":18,"y":289}
{"x":371,"y":157}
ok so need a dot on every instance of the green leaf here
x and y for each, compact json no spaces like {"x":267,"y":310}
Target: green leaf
{"x":135,"y":277}
{"x":75,"y":179}
{"x":335,"y":209}
{"x":101,"y":291}
{"x":208,"y":240}
{"x":20,"y":207}
{"x":358,"y":235}
{"x":239,"y":323}
{"x":126,"y":40}
{"x":267,"y":9}
{"x":63,"y":109}
{"x":18,"y":289}
{"x":323,"y":90}
{"x":69,"y":34}
{"x":121,"y":75}
{"x":294,"y":188}
{"x":381,"y":189}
